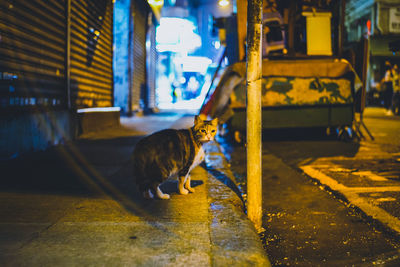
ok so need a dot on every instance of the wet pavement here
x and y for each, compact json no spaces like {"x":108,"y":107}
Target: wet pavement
{"x":327,"y":202}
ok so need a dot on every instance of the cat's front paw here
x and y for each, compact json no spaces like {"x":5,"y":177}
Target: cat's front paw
{"x":183,"y":191}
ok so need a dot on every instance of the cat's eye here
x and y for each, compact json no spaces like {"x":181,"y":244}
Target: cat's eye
{"x":213,"y":131}
{"x":202,"y":130}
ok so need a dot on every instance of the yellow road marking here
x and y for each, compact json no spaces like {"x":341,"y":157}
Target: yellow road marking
{"x":352,"y":195}
{"x":370,"y":175}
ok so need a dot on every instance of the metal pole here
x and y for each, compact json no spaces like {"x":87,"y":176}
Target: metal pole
{"x":342,"y":13}
{"x":364,"y":74}
{"x":291,"y":26}
{"x":253,"y":108}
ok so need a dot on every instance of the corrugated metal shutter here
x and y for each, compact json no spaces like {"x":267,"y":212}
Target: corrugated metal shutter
{"x":91,"y":53}
{"x":151,"y":65}
{"x":140,"y":11}
{"x":32,"y":54}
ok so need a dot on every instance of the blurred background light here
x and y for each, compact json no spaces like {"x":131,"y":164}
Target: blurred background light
{"x":156,"y":2}
{"x":181,"y":39}
{"x":194,"y":63}
{"x":217,"y":44}
{"x":223,"y":3}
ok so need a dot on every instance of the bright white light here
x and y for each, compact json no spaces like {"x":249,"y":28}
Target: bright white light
{"x":217,"y":44}
{"x":223,"y":3}
{"x":99,"y":109}
{"x":194,"y":64}
{"x":156,"y":2}
{"x":176,"y":35}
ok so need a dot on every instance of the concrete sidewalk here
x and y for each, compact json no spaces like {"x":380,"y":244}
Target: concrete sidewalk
{"x":77,"y":205}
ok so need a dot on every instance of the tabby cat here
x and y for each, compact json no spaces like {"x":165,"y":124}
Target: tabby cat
{"x":169,"y":153}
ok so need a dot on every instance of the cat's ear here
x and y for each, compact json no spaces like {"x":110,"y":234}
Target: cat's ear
{"x":198,"y":119}
{"x":203,"y":116}
{"x":215,"y":122}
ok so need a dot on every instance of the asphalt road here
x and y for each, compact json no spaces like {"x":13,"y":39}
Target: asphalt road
{"x":328,"y":202}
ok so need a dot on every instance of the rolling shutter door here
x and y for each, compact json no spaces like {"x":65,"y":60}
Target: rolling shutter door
{"x":140,"y":11}
{"x":32,"y":54}
{"x":91,"y":53}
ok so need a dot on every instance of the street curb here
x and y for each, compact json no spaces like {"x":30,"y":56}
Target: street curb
{"x":234,"y":238}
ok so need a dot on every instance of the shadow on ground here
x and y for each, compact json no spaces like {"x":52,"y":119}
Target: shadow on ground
{"x":85,"y":168}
